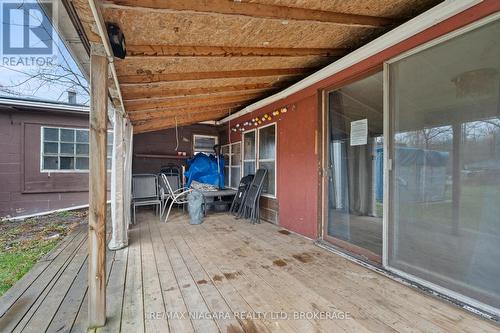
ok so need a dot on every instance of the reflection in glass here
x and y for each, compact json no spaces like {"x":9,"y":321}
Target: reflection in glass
{"x":445,"y":183}
{"x":356,"y":171}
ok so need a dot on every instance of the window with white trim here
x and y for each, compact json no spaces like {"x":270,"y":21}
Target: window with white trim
{"x":232,"y":164}
{"x":67,"y":149}
{"x":259,"y":151}
{"x":204,"y":143}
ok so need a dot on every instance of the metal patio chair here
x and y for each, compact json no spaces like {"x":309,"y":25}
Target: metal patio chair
{"x":241,"y":194}
{"x":145,"y":192}
{"x":178,"y":196}
{"x":251,"y":205}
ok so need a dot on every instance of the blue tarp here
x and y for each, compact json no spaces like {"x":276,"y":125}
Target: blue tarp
{"x":203,"y":169}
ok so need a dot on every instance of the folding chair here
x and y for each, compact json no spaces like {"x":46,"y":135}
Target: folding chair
{"x":241,"y":194}
{"x":251,"y":206}
{"x":145,"y":192}
{"x":178,"y":196}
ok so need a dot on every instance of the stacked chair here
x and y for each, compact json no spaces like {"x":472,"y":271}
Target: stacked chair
{"x":250,"y":208}
{"x":145,"y":192}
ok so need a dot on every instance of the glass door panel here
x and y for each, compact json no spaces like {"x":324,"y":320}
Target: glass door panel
{"x":356,"y":168}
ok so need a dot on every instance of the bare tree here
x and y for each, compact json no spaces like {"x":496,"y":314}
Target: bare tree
{"x":60,"y":76}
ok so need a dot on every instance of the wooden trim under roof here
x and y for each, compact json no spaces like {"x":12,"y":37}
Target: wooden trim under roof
{"x":228,"y":51}
{"x":226,"y":7}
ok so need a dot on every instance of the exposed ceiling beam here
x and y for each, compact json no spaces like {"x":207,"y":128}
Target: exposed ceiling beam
{"x":137,"y":92}
{"x":259,"y":10}
{"x":156,"y":125}
{"x":167,"y":112}
{"x":161,"y":103}
{"x":224,"y":51}
{"x":169,"y":77}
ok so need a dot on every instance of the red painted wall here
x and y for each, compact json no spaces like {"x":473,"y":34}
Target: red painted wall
{"x":297,"y":161}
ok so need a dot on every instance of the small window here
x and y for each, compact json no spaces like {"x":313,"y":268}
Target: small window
{"x":67,"y":149}
{"x":204,"y":144}
{"x":232,"y":164}
{"x":267,"y":157}
{"x":259,"y":151}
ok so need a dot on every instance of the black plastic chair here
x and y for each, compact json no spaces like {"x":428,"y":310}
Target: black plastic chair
{"x":240,"y":196}
{"x":251,"y":205}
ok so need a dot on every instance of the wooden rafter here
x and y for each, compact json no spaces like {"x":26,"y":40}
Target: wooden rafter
{"x":137,"y":92}
{"x":187,"y":119}
{"x":169,"y":77}
{"x":161,"y":103}
{"x":167,"y":112}
{"x":226,"y":7}
{"x":224,"y":51}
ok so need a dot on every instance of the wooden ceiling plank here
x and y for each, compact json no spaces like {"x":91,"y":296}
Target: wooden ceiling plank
{"x":159,"y":103}
{"x":169,"y":77}
{"x":223,"y":51}
{"x":162,"y":113}
{"x":155,"y":125}
{"x":131,"y":92}
{"x":257,"y":10}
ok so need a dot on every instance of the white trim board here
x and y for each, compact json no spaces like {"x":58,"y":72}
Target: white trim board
{"x":24,"y":217}
{"x":418,"y":24}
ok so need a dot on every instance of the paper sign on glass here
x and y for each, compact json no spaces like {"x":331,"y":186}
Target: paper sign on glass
{"x":359,"y":132}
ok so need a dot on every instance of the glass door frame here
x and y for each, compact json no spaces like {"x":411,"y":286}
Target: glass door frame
{"x":389,"y":164}
{"x":353,"y":249}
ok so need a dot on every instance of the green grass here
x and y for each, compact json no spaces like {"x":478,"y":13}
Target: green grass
{"x":14,"y":263}
{"x":23,"y":243}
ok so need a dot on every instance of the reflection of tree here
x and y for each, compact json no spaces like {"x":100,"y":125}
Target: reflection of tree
{"x":61,"y":76}
{"x":427,"y":136}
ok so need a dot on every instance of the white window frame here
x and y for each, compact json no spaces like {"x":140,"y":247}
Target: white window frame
{"x":257,"y":160}
{"x":203,"y":136}
{"x":230,"y":166}
{"x":42,"y":129}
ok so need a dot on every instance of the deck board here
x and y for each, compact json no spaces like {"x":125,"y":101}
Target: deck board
{"x":222,"y":266}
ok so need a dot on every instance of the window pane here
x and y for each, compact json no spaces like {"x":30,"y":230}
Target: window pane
{"x":82,"y":163}
{"x":67,"y":163}
{"x":50,"y":148}
{"x":224,"y":150}
{"x":249,"y":146}
{"x":50,"y":134}
{"x":67,"y":135}
{"x":82,"y":136}
{"x":267,"y":143}
{"x":108,"y":164}
{"x":202,"y":143}
{"x":82,"y":149}
{"x":236,"y":154}
{"x":110,"y":151}
{"x":226,"y":176}
{"x":269,"y":182}
{"x":110,"y":138}
{"x":445,"y":225}
{"x":248,"y":168}
{"x":50,"y":163}
{"x":67,"y":148}
{"x":235,"y":176}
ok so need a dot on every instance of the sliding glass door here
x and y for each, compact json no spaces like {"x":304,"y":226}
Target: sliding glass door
{"x":444,"y":216}
{"x":355,"y":167}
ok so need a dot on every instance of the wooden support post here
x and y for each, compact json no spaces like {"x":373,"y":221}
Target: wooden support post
{"x":97,"y":191}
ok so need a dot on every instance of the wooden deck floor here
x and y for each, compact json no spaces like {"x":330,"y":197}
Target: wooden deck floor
{"x":222,"y":276}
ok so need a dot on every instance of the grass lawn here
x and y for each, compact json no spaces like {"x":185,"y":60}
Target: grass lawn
{"x":23,"y":243}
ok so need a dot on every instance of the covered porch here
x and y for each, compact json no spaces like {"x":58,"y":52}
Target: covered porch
{"x":225,"y":275}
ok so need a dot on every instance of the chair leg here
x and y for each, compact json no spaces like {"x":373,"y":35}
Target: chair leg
{"x":169,"y":209}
